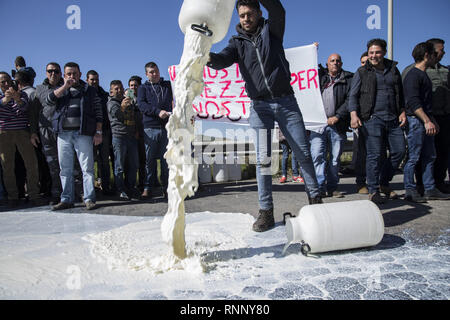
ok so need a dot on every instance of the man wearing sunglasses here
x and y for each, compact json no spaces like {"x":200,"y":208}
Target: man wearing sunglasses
{"x":41,"y":126}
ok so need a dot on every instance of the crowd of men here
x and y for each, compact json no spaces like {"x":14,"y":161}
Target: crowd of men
{"x":51,"y":135}
{"x":62,"y":125}
{"x":396,"y":119}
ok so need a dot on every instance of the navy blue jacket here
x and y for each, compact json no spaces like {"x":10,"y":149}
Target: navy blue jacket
{"x":261,"y":57}
{"x":90,"y":107}
{"x":151,"y":99}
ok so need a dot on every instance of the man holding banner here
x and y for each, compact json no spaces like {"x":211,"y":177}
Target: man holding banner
{"x":258,"y":49}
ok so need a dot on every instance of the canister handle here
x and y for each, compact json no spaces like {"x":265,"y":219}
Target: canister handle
{"x":285,"y":215}
{"x":203,"y":29}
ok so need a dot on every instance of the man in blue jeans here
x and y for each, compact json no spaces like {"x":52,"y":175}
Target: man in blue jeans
{"x":335,"y":87}
{"x":77,"y":121}
{"x":155,"y":101}
{"x":377,"y":106}
{"x":422,"y":126}
{"x":258,"y":48}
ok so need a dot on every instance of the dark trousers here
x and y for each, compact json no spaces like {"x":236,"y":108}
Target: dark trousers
{"x":378,"y":134}
{"x":359,"y":157}
{"x":442,"y":145}
{"x":50,"y":151}
{"x":101,"y":153}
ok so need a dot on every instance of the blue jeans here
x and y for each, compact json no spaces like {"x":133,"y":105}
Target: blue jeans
{"x":155,"y":146}
{"x":284,"y":161}
{"x":125,"y":156}
{"x":378,"y":134}
{"x":420,"y":148}
{"x":286,"y":112}
{"x":68,"y":142}
{"x":327,"y":170}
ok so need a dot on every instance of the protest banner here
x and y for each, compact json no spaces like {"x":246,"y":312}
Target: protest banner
{"x":224,"y":97}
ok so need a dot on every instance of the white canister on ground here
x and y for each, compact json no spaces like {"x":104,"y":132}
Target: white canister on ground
{"x":204,"y":173}
{"x":214,"y":14}
{"x":336,"y":226}
{"x":234,"y":169}
{"x":220,"y":169}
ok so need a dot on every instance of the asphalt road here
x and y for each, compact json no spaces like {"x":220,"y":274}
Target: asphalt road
{"x":426,"y":222}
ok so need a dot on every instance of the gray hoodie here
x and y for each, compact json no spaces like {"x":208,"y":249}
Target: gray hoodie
{"x":125,"y":122}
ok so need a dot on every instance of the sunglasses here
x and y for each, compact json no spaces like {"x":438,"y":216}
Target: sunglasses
{"x":55,"y":71}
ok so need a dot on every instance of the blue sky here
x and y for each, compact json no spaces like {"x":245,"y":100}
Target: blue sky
{"x":117,"y":38}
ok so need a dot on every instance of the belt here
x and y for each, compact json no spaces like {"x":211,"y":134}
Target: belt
{"x":269,"y":97}
{"x":129,"y":122}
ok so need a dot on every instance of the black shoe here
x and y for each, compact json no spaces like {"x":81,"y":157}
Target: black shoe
{"x":414,"y":196}
{"x":13,"y":203}
{"x":62,"y":206}
{"x":315,"y":200}
{"x":420,"y":189}
{"x":108,"y":192}
{"x":134,"y":194}
{"x":335,"y":194}
{"x":265,"y":221}
{"x":54,"y":201}
{"x":435,"y":194}
{"x":377,"y":198}
{"x":443,"y":188}
{"x":39,"y":202}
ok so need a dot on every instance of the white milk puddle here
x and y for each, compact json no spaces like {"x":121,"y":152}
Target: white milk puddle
{"x":43,"y":256}
{"x":139,"y":246}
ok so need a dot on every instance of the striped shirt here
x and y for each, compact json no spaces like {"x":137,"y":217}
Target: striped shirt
{"x":13,"y":116}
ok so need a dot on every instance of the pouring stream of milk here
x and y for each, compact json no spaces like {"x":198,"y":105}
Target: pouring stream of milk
{"x":183,"y":178}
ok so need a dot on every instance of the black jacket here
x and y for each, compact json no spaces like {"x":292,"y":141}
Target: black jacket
{"x":341,"y":92}
{"x":90,"y":107}
{"x":261,"y":57}
{"x":368,"y":89}
{"x":104,"y":97}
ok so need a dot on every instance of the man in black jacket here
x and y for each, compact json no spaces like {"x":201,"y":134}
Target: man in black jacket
{"x":41,"y":126}
{"x":258,"y":49}
{"x":377,"y":105}
{"x":422,"y":125}
{"x":77,"y":120}
{"x":335,"y":87}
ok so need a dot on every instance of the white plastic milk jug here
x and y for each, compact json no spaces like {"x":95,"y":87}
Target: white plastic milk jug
{"x":220,"y":172}
{"x":336,"y":226}
{"x":210,"y":17}
{"x":204,"y":173}
{"x":234,"y":168}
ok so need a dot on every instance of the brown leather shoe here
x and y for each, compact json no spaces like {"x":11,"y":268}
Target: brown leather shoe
{"x":62,"y":206}
{"x":363,"y":190}
{"x":265,"y":221}
{"x":90,"y":205}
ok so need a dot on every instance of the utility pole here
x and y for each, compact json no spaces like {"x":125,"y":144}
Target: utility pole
{"x":390,"y":29}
